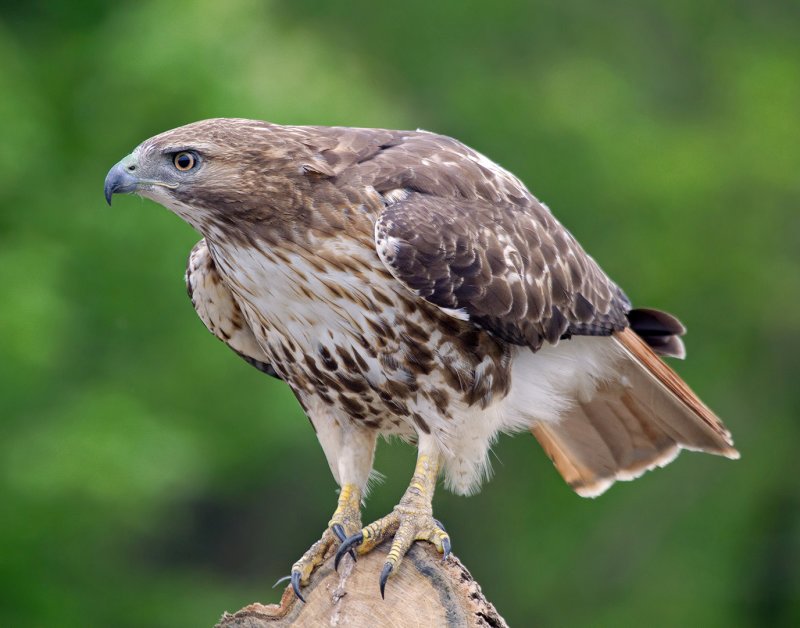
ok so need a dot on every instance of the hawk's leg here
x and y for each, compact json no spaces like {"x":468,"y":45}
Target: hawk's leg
{"x":411,"y":520}
{"x":345,"y":521}
{"x":347,"y":516}
{"x":350,"y":452}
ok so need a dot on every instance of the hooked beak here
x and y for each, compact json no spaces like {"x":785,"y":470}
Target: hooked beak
{"x":120,"y":179}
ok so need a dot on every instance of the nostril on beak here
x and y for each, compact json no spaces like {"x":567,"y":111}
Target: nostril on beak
{"x":120,"y":180}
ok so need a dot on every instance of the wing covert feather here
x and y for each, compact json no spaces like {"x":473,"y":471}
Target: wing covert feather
{"x":511,"y":269}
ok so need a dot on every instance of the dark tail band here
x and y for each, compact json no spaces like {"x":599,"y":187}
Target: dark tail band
{"x":660,"y":330}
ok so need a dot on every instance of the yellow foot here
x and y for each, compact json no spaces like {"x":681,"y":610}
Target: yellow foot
{"x":406,"y":525}
{"x":411,"y":520}
{"x":346,"y":520}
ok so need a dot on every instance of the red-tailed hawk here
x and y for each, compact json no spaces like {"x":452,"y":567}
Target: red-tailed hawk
{"x":401,"y":283}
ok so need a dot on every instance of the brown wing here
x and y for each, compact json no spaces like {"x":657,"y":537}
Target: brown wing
{"x":467,"y":236}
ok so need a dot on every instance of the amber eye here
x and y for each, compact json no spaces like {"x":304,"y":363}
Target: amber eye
{"x":184,"y":161}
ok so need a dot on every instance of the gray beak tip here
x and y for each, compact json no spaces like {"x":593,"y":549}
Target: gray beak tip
{"x":119,"y":181}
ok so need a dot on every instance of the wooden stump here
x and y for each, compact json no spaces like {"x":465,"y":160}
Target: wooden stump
{"x":425,"y":591}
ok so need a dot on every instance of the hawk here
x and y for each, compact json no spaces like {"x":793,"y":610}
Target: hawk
{"x":403,"y":284}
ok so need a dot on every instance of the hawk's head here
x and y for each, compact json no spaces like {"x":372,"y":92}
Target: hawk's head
{"x":210,"y":172}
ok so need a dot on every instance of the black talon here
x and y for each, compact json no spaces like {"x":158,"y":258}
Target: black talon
{"x":279,"y":580}
{"x":387,"y":569}
{"x":296,"y":586}
{"x":446,"y":547}
{"x":346,"y":547}
{"x":338,"y":530}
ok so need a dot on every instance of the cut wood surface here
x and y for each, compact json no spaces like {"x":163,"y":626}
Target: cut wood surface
{"x":425,"y":591}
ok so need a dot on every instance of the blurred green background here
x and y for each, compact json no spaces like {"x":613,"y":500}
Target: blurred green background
{"x":149,"y":477}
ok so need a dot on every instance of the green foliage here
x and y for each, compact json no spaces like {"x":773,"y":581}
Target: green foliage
{"x":148,"y":477}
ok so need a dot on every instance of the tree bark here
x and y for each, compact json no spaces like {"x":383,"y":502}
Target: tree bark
{"x":424,"y":591}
